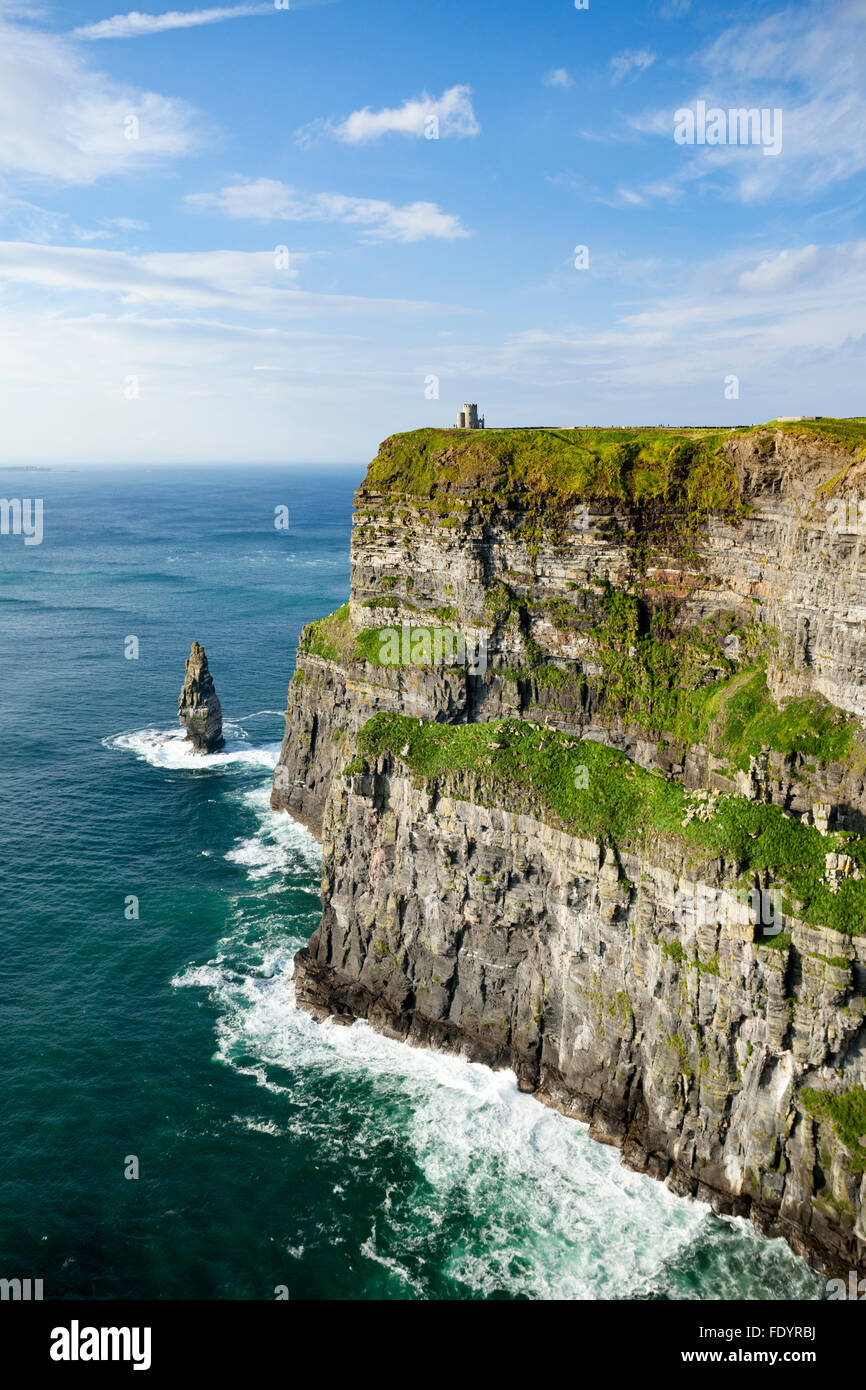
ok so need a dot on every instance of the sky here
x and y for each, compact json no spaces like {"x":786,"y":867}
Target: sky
{"x":248,"y":233}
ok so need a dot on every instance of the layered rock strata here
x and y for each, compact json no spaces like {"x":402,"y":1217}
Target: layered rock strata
{"x":198,"y":708}
{"x":691,"y":1044}
{"x":720,"y":645}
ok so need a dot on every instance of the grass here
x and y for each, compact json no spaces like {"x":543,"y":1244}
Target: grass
{"x":659,"y":683}
{"x":846,"y":1113}
{"x":751,"y":721}
{"x":515,"y":764}
{"x":848,"y":434}
{"x":329,"y":637}
{"x":334,"y":639}
{"x":738,"y":719}
{"x":682,"y":686}
{"x":677,"y":467}
{"x":685,"y":468}
{"x":420,"y":646}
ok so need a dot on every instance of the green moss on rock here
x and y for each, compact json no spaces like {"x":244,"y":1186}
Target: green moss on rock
{"x":597,"y":792}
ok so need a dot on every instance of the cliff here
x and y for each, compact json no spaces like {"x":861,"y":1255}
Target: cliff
{"x":586,"y":752}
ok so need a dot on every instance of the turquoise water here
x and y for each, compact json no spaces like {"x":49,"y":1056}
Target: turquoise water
{"x":271,"y":1151}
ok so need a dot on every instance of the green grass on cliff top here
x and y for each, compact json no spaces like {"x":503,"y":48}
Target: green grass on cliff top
{"x":632,"y":465}
{"x":540,"y":771}
{"x":675,"y":466}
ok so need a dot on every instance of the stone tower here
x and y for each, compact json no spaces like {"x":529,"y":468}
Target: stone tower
{"x":467,"y":418}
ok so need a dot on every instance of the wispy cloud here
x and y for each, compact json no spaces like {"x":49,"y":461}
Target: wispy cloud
{"x":558,"y":77}
{"x":269,"y":200}
{"x":808,"y":63}
{"x":791,"y":324}
{"x":631,"y":63}
{"x":451,"y":115}
{"x":65,"y":122}
{"x":135,"y":24}
{"x":194,"y":329}
{"x":245,"y":282}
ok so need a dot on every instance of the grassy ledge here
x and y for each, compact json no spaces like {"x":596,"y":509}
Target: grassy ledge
{"x":595,"y":792}
{"x":846,"y":1113}
{"x":678,"y":467}
{"x":658,"y":685}
{"x":685,"y":468}
{"x":333,"y":639}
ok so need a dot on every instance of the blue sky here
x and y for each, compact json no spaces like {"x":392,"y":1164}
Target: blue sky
{"x":153,"y":163}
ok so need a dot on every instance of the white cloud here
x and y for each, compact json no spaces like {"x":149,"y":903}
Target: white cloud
{"x":196,"y":329}
{"x":135,"y":24}
{"x":806,"y":64}
{"x":451,"y":114}
{"x":219,"y":382}
{"x":30,"y":222}
{"x":201,"y":279}
{"x":791,"y":324}
{"x":269,"y":200}
{"x":126,"y":224}
{"x":260,"y":200}
{"x":631,"y":63}
{"x":65,"y":122}
{"x":242,"y":281}
{"x":784,"y":268}
{"x":558,"y":77}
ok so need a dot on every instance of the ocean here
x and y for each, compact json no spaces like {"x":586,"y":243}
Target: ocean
{"x":172,"y":1126}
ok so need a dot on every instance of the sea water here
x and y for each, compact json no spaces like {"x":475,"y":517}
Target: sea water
{"x":172,"y":1125}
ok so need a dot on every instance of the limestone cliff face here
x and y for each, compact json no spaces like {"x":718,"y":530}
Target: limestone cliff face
{"x":779,"y":565}
{"x":328,"y":703}
{"x":452,"y":924}
{"x":198,"y":708}
{"x":779,"y":569}
{"x":455,"y":916}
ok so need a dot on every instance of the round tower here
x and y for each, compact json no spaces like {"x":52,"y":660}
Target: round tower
{"x":471,"y":414}
{"x":461,"y":419}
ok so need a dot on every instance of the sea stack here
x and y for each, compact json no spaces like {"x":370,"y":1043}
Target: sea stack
{"x":198,"y":708}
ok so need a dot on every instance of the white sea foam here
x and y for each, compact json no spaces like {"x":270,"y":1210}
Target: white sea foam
{"x":258,"y":1126}
{"x":279,"y":845}
{"x":557,"y":1215}
{"x":259,"y":713}
{"x":508,"y":1195}
{"x":169,"y":748}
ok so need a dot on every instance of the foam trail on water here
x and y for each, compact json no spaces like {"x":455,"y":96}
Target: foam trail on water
{"x":259,"y":713}
{"x":476,"y":1188}
{"x":279,"y":846}
{"x":542,"y":1210}
{"x":169,"y":748}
